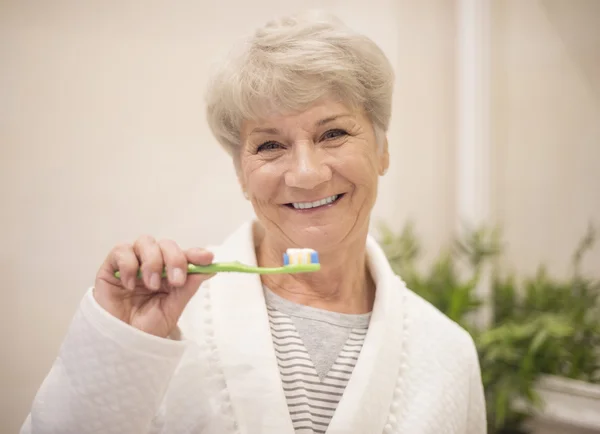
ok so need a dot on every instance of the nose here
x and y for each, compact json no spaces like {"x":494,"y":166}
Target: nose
{"x":307,"y":169}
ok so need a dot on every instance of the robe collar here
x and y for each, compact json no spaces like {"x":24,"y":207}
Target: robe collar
{"x":248,"y":357}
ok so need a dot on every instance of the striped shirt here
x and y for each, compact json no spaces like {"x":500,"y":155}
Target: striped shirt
{"x":316,"y":352}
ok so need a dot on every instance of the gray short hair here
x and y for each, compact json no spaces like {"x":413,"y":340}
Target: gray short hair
{"x":288,"y":65}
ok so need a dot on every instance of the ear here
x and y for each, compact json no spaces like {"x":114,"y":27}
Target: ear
{"x":384,"y":158}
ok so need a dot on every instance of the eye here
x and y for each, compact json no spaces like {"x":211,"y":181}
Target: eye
{"x":268,"y":146}
{"x":334,"y":134}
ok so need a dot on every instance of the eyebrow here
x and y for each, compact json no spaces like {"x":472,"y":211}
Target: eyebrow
{"x":319,"y":123}
{"x":332,"y":118}
{"x":265,"y":130}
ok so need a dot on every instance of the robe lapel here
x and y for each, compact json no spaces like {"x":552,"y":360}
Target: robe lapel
{"x":244,"y":342}
{"x":248,"y":358}
{"x":367,"y":400}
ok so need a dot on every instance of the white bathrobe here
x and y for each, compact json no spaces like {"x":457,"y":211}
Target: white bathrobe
{"x":417,"y":373}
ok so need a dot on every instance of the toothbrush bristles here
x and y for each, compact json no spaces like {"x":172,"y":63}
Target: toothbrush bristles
{"x":300,"y":256}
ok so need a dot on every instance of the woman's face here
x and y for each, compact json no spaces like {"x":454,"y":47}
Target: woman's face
{"x":312,"y":176}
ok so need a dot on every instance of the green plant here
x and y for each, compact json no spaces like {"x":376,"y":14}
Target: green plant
{"x":442,"y":284}
{"x":539,"y":325}
{"x":510,"y":356}
{"x":576,"y":299}
{"x":446,"y":283}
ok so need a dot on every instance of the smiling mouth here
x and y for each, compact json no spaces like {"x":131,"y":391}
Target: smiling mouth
{"x":316,"y":204}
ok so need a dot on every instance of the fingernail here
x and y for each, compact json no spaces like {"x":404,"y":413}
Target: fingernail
{"x":178,"y":276}
{"x":131,"y":283}
{"x":155,"y":281}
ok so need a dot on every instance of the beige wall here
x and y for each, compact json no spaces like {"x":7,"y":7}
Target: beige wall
{"x":103,"y":138}
{"x":546,"y":128}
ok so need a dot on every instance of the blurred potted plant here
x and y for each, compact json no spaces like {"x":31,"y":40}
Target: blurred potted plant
{"x":441,"y":285}
{"x":569,"y":362}
{"x":544,"y":327}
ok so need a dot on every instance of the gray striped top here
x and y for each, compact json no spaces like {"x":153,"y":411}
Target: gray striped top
{"x":316,"y":352}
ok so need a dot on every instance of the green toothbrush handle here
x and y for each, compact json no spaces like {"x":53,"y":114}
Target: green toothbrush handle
{"x":208,"y":269}
{"x":238,"y":267}
{"x":220,"y":267}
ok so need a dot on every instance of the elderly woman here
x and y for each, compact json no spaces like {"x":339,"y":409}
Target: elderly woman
{"x":303,"y":109}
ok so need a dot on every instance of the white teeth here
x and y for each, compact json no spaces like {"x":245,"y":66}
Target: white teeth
{"x":307,"y":205}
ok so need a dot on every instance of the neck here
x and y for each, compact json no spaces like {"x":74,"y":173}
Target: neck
{"x":342,"y":285}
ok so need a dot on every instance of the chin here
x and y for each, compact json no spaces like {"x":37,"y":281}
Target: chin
{"x":321,"y":238}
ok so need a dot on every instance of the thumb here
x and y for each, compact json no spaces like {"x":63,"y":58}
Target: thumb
{"x":199,"y":256}
{"x":180,"y":297}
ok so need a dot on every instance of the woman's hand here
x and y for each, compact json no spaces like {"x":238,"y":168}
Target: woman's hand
{"x":150,"y":303}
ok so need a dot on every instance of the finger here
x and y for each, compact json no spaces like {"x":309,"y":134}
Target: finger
{"x":194,"y":256}
{"x":175,"y":262}
{"x":123,"y":259}
{"x":151,"y":260}
{"x":199,"y":256}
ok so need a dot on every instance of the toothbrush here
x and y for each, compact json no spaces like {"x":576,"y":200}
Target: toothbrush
{"x":294,"y":261}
